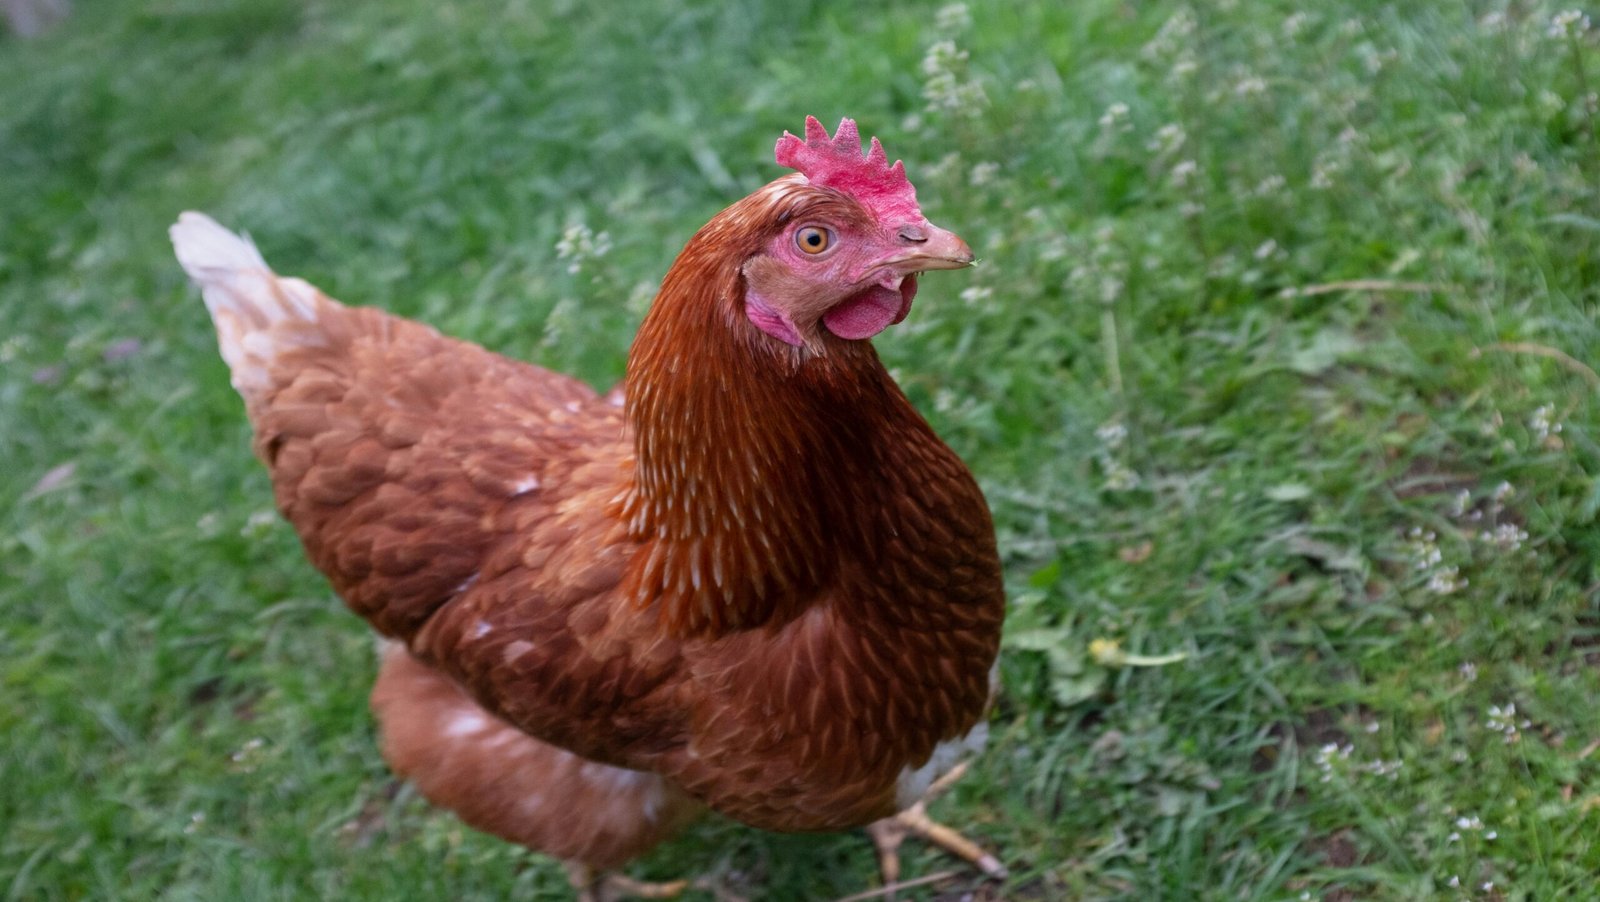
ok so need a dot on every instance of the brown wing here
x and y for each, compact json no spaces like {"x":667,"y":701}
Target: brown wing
{"x":466,"y":504}
{"x":398,"y":454}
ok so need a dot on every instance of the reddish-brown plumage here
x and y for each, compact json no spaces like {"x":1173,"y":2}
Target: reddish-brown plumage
{"x":762,"y":578}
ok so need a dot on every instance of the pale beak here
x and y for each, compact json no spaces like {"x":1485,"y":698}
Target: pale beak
{"x":930,"y":247}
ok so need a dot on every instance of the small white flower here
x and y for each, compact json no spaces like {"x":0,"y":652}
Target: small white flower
{"x":1504,"y":721}
{"x":1506,"y":537}
{"x":944,"y":86}
{"x":1250,"y":86}
{"x":1270,"y":185}
{"x":1168,"y":138}
{"x":1112,"y":433}
{"x":1568,"y":24}
{"x":1114,"y":114}
{"x":984,"y":173}
{"x":1323,"y":169}
{"x":579,"y":245}
{"x":1172,"y":35}
{"x":1446,"y":580}
{"x":975,"y":293}
{"x":258,"y":523}
{"x":1183,"y":171}
{"x":1544,"y":423}
{"x":953,"y":18}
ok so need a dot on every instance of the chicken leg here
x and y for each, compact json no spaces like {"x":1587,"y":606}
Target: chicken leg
{"x":889,"y":833}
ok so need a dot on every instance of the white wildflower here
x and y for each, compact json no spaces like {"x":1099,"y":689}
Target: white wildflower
{"x":1544,"y":423}
{"x":258,"y":523}
{"x":953,"y":18}
{"x":579,"y":245}
{"x":1173,"y":35}
{"x":1468,"y":671}
{"x":1506,"y":537}
{"x":1183,"y":171}
{"x":1374,"y":59}
{"x":1270,"y":185}
{"x":943,"y":167}
{"x":1295,"y":24}
{"x":1249,"y":86}
{"x":1569,"y":23}
{"x":1266,"y":250}
{"x":945,"y":86}
{"x":974,"y":294}
{"x":1323,"y":169}
{"x":1446,"y":580}
{"x":983,"y":173}
{"x":1330,"y":755}
{"x":1112,"y":433}
{"x":1167,"y":140}
{"x":1504,"y":721}
{"x":1119,"y":477}
{"x":1115,"y":114}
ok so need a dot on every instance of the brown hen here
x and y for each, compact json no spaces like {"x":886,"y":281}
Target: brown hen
{"x":752,"y":579}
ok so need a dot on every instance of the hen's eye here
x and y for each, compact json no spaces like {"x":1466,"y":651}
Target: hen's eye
{"x":813,"y":240}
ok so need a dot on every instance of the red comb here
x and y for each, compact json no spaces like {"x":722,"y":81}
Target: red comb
{"x":838,"y":163}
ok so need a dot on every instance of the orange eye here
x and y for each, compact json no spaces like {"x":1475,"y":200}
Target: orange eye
{"x":813,"y":239}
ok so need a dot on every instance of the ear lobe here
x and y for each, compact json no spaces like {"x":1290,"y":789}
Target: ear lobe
{"x":770,"y":320}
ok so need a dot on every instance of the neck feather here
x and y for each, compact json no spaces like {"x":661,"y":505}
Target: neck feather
{"x":754,"y":460}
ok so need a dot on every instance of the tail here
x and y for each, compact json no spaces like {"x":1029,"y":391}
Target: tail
{"x":256,"y":312}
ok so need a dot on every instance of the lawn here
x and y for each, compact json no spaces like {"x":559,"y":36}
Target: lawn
{"x":1279,"y":371}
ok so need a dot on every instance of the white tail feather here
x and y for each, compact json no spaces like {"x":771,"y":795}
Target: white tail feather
{"x":245,"y":298}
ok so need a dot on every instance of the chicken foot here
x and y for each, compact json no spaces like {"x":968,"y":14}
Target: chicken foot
{"x":593,"y":886}
{"x":889,"y":833}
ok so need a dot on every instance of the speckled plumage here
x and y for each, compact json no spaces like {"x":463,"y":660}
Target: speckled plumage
{"x":761,"y":576}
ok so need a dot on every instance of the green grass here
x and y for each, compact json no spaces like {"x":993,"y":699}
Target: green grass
{"x":1278,"y":315}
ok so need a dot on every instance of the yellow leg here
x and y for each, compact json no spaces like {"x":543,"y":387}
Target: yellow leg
{"x":889,"y":833}
{"x":593,"y":886}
